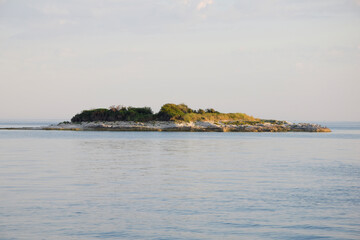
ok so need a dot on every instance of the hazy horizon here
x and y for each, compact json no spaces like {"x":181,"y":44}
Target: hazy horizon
{"x":278,"y":59}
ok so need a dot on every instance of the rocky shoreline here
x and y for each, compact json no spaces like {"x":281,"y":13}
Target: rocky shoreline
{"x":173,"y":126}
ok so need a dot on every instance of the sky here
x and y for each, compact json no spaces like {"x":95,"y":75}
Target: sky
{"x":278,"y":59}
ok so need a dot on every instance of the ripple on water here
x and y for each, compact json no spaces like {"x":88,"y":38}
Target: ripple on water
{"x":128,"y":185}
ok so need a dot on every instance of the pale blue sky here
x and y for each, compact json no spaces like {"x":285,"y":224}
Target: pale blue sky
{"x":282,"y":59}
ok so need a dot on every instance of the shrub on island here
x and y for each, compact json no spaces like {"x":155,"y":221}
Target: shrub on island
{"x":168,"y":112}
{"x":172,"y":111}
{"x":123,"y":114}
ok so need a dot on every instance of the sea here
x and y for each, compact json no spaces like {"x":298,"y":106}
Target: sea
{"x":179,"y":185}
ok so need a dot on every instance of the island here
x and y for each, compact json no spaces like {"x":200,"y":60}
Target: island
{"x":176,"y":117}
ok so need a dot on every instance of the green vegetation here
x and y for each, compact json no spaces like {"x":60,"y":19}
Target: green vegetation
{"x":172,"y":111}
{"x":215,"y":117}
{"x":115,"y":114}
{"x":168,"y":112}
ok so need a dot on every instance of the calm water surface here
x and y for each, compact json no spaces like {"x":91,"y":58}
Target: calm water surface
{"x":157,"y":185}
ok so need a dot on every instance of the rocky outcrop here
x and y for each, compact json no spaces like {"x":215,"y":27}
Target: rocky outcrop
{"x":188,"y":127}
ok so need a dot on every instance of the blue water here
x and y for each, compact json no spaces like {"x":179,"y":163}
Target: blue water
{"x":28,"y":123}
{"x":163,"y":185}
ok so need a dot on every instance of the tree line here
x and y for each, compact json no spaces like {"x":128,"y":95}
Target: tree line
{"x":168,"y":112}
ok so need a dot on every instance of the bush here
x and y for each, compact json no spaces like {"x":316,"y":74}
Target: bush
{"x":168,"y":112}
{"x":215,"y":117}
{"x":200,"y":111}
{"x":211,"y":110}
{"x":172,"y":111}
{"x":115,"y":114}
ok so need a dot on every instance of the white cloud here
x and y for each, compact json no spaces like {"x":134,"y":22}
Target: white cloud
{"x":204,"y":4}
{"x":54,"y":10}
{"x":65,"y":21}
{"x":67,"y":52}
{"x":357,"y":2}
{"x":335,"y":52}
{"x":299,"y":66}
